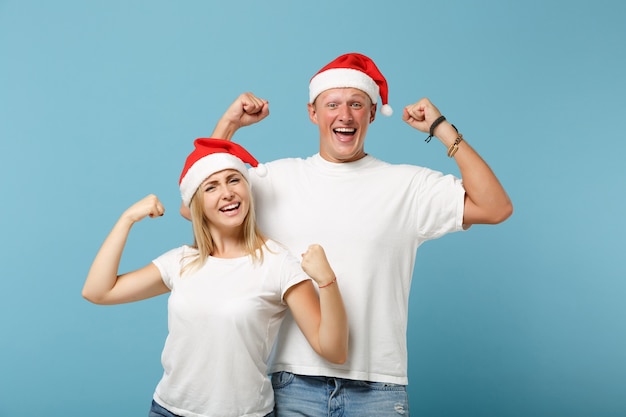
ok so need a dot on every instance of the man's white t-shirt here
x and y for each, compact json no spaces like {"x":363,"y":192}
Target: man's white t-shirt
{"x":370,"y":216}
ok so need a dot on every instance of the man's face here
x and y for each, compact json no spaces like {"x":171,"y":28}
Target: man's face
{"x":342,"y":116}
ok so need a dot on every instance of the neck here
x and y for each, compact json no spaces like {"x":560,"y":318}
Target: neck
{"x":342,"y":161}
{"x":228,"y":249}
{"x":229,"y":245}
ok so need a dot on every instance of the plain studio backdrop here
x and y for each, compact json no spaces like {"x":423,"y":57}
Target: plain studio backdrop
{"x":100,"y":102}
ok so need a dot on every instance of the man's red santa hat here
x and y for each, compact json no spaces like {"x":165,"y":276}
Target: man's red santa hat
{"x":352,"y":70}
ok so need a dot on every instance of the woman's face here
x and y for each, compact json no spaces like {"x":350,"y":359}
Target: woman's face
{"x":226,"y":198}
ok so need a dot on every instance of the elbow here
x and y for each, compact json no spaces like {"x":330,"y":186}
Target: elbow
{"x":185,"y":211}
{"x":505,"y":212}
{"x":501,"y":214}
{"x":342,"y":360}
{"x":338,"y":355}
{"x":339,"y":359}
{"x":91,"y":297}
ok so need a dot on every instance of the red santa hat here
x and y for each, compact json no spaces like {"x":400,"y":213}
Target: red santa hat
{"x":211,"y":156}
{"x":352,"y":70}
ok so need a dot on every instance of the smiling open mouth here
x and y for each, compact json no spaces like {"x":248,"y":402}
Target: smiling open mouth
{"x":345,"y":130}
{"x":230,"y":207}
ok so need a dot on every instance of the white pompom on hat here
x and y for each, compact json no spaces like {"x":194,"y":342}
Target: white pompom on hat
{"x":211,"y":156}
{"x":352,"y":70}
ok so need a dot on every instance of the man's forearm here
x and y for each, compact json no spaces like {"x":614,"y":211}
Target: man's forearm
{"x":224,"y":130}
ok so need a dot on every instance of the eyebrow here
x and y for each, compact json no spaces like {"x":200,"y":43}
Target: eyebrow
{"x":207,"y":182}
{"x":228,"y":177}
{"x":353,"y":97}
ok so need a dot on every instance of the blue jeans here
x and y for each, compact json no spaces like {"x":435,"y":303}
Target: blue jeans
{"x":157,"y":411}
{"x":321,"y":396}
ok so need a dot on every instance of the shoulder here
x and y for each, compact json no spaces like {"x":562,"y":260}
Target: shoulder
{"x":378,"y":166}
{"x":276,"y":249}
{"x":278,"y":164}
{"x":279,"y":172}
{"x":176,"y":254}
{"x":278,"y":255}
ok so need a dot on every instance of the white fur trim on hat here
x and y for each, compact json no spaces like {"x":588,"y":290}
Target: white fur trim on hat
{"x":261,"y":170}
{"x":204,"y":168}
{"x":342,"y":78}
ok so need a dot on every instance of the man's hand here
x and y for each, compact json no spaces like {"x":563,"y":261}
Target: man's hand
{"x":421,"y":115}
{"x":246,"y":110}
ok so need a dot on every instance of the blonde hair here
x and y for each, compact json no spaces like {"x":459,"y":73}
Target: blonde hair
{"x":253,"y":239}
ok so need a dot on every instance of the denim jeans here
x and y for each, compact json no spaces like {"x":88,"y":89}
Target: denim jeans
{"x":320,"y":396}
{"x":157,"y":411}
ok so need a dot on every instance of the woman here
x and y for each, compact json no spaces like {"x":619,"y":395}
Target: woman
{"x":229,"y":292}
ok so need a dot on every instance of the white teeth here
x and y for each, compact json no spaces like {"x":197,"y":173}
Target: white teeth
{"x":344,"y":130}
{"x":230,"y":207}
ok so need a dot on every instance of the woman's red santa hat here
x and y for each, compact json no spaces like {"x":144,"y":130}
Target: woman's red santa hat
{"x":211,"y":156}
{"x":352,"y":70}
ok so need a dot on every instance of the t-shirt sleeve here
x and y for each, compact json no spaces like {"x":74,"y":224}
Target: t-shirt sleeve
{"x":440,"y":202}
{"x":169,"y":264}
{"x":291,"y":273}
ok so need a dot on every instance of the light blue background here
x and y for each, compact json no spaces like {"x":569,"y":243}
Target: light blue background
{"x":100,"y":102}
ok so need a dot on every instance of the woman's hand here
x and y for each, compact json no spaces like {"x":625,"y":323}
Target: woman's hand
{"x":315,"y":264}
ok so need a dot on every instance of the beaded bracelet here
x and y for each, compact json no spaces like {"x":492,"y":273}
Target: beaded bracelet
{"x":329,"y":284}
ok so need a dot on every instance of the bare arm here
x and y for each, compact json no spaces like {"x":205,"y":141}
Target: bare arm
{"x":322,"y":319}
{"x":247,"y":109}
{"x":103,"y":284}
{"x":486,"y":201}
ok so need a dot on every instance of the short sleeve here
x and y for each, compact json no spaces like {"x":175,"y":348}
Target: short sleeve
{"x":170,"y":263}
{"x":291,"y":273}
{"x":441,"y":203}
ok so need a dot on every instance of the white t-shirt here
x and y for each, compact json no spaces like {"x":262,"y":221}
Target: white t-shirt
{"x":370,"y":216}
{"x":222,"y":322}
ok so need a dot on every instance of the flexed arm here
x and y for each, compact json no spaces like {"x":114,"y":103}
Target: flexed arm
{"x":103,"y":284}
{"x":322,"y":318}
{"x":247,"y":109}
{"x":486,"y":201}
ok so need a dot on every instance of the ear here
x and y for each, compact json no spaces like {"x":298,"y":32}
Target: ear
{"x":312,"y":113}
{"x":373,"y":113}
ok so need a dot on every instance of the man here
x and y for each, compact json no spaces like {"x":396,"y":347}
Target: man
{"x":370,"y":216}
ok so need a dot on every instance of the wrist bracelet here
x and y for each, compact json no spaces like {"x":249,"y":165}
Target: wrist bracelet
{"x":329,"y":284}
{"x":436,"y":123}
{"x":455,"y":146}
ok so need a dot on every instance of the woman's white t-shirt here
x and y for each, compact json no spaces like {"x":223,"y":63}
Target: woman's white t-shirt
{"x":222,"y":321}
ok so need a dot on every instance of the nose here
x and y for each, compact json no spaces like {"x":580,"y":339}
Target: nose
{"x":345,"y":114}
{"x":227,"y":193}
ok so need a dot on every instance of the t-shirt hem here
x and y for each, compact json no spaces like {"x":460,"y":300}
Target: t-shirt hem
{"x":181,"y":412}
{"x":341,"y":373}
